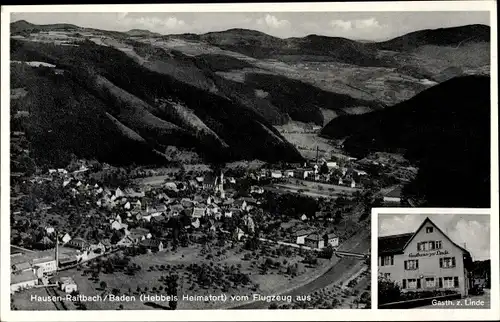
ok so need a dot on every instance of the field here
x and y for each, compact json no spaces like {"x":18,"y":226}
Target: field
{"x":154,"y":266}
{"x":313,"y":189}
{"x":306,"y":141}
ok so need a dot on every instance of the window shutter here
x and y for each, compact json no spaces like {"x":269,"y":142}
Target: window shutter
{"x":381,"y":260}
{"x":416,"y":264}
{"x":418,"y":247}
{"x":404,"y":283}
{"x":455,"y":281}
{"x":440,"y":282}
{"x":440,"y":263}
{"x":453,"y":261}
{"x":406,"y":265}
{"x":418,"y":283}
{"x":392,"y":260}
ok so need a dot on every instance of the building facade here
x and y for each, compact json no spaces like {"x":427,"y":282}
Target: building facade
{"x":426,"y":260}
{"x":315,"y":241}
{"x":47,"y":265}
{"x":22,"y":280}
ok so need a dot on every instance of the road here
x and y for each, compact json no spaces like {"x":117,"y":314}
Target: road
{"x":342,"y":268}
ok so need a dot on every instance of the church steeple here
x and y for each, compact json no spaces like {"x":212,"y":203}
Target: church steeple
{"x":221,"y":185}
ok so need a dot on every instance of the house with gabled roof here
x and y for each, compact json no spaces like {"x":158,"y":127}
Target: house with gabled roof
{"x":65,"y":238}
{"x":315,"y":241}
{"x":22,"y":280}
{"x":153,"y":245}
{"x":331,"y":239}
{"x":240,"y":203}
{"x":126,"y":241}
{"x":118,"y":193}
{"x":78,"y":243}
{"x":138,"y":234}
{"x":425,"y":260}
{"x":300,"y":235}
{"x":198,"y":212}
{"x":393,"y":196}
{"x":131,"y":193}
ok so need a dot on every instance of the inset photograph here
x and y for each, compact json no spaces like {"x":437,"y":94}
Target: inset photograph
{"x":430,"y":261}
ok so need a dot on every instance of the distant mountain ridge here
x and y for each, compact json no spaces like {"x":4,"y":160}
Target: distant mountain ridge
{"x":453,"y":36}
{"x":142,"y":32}
{"x":23,"y":25}
{"x":239,"y":36}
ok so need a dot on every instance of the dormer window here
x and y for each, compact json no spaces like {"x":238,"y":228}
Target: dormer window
{"x":429,"y":230}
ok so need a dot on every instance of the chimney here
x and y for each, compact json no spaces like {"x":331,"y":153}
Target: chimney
{"x":57,"y":250}
{"x":465,"y":245}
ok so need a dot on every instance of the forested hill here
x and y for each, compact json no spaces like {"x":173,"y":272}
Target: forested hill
{"x":102,"y":83}
{"x":445,"y":129}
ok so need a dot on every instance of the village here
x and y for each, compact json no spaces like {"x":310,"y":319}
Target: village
{"x":252,"y":226}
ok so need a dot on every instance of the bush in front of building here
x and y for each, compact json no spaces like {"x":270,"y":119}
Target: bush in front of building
{"x":388,"y":291}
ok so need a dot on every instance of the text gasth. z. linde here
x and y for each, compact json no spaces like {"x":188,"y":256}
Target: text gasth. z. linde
{"x":466,"y":302}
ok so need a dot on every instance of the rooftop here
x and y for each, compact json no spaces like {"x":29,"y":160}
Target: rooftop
{"x":394,"y":193}
{"x":393,"y":243}
{"x":314,"y":237}
{"x":303,"y":232}
{"x":150,"y":242}
{"x":22,"y":277}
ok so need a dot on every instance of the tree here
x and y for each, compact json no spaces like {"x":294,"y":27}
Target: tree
{"x":324,"y":168}
{"x":388,"y":290}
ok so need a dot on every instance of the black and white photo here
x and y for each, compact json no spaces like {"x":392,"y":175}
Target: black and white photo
{"x":218,"y":158}
{"x":439,"y":261}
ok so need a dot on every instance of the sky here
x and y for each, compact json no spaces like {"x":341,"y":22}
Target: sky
{"x":372,"y":26}
{"x":473,"y":230}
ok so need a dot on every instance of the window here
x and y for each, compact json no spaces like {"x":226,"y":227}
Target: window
{"x":412,"y":283}
{"x":428,"y":245}
{"x":411,"y":264}
{"x":430,"y":282}
{"x":447,"y":262}
{"x":387,"y":260}
{"x":429,"y":230}
{"x":448,"y":282}
{"x":439,"y":244}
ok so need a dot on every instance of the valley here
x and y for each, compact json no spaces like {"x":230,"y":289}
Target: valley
{"x":231,"y":162}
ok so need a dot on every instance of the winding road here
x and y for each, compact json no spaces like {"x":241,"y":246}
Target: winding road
{"x":341,"y":269}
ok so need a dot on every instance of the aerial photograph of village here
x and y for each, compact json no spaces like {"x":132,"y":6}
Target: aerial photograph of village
{"x":180,"y":161}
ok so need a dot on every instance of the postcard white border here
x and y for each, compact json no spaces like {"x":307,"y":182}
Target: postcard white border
{"x":494,"y":256}
{"x":249,"y":315}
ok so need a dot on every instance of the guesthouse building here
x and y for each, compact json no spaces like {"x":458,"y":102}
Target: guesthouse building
{"x":426,"y":260}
